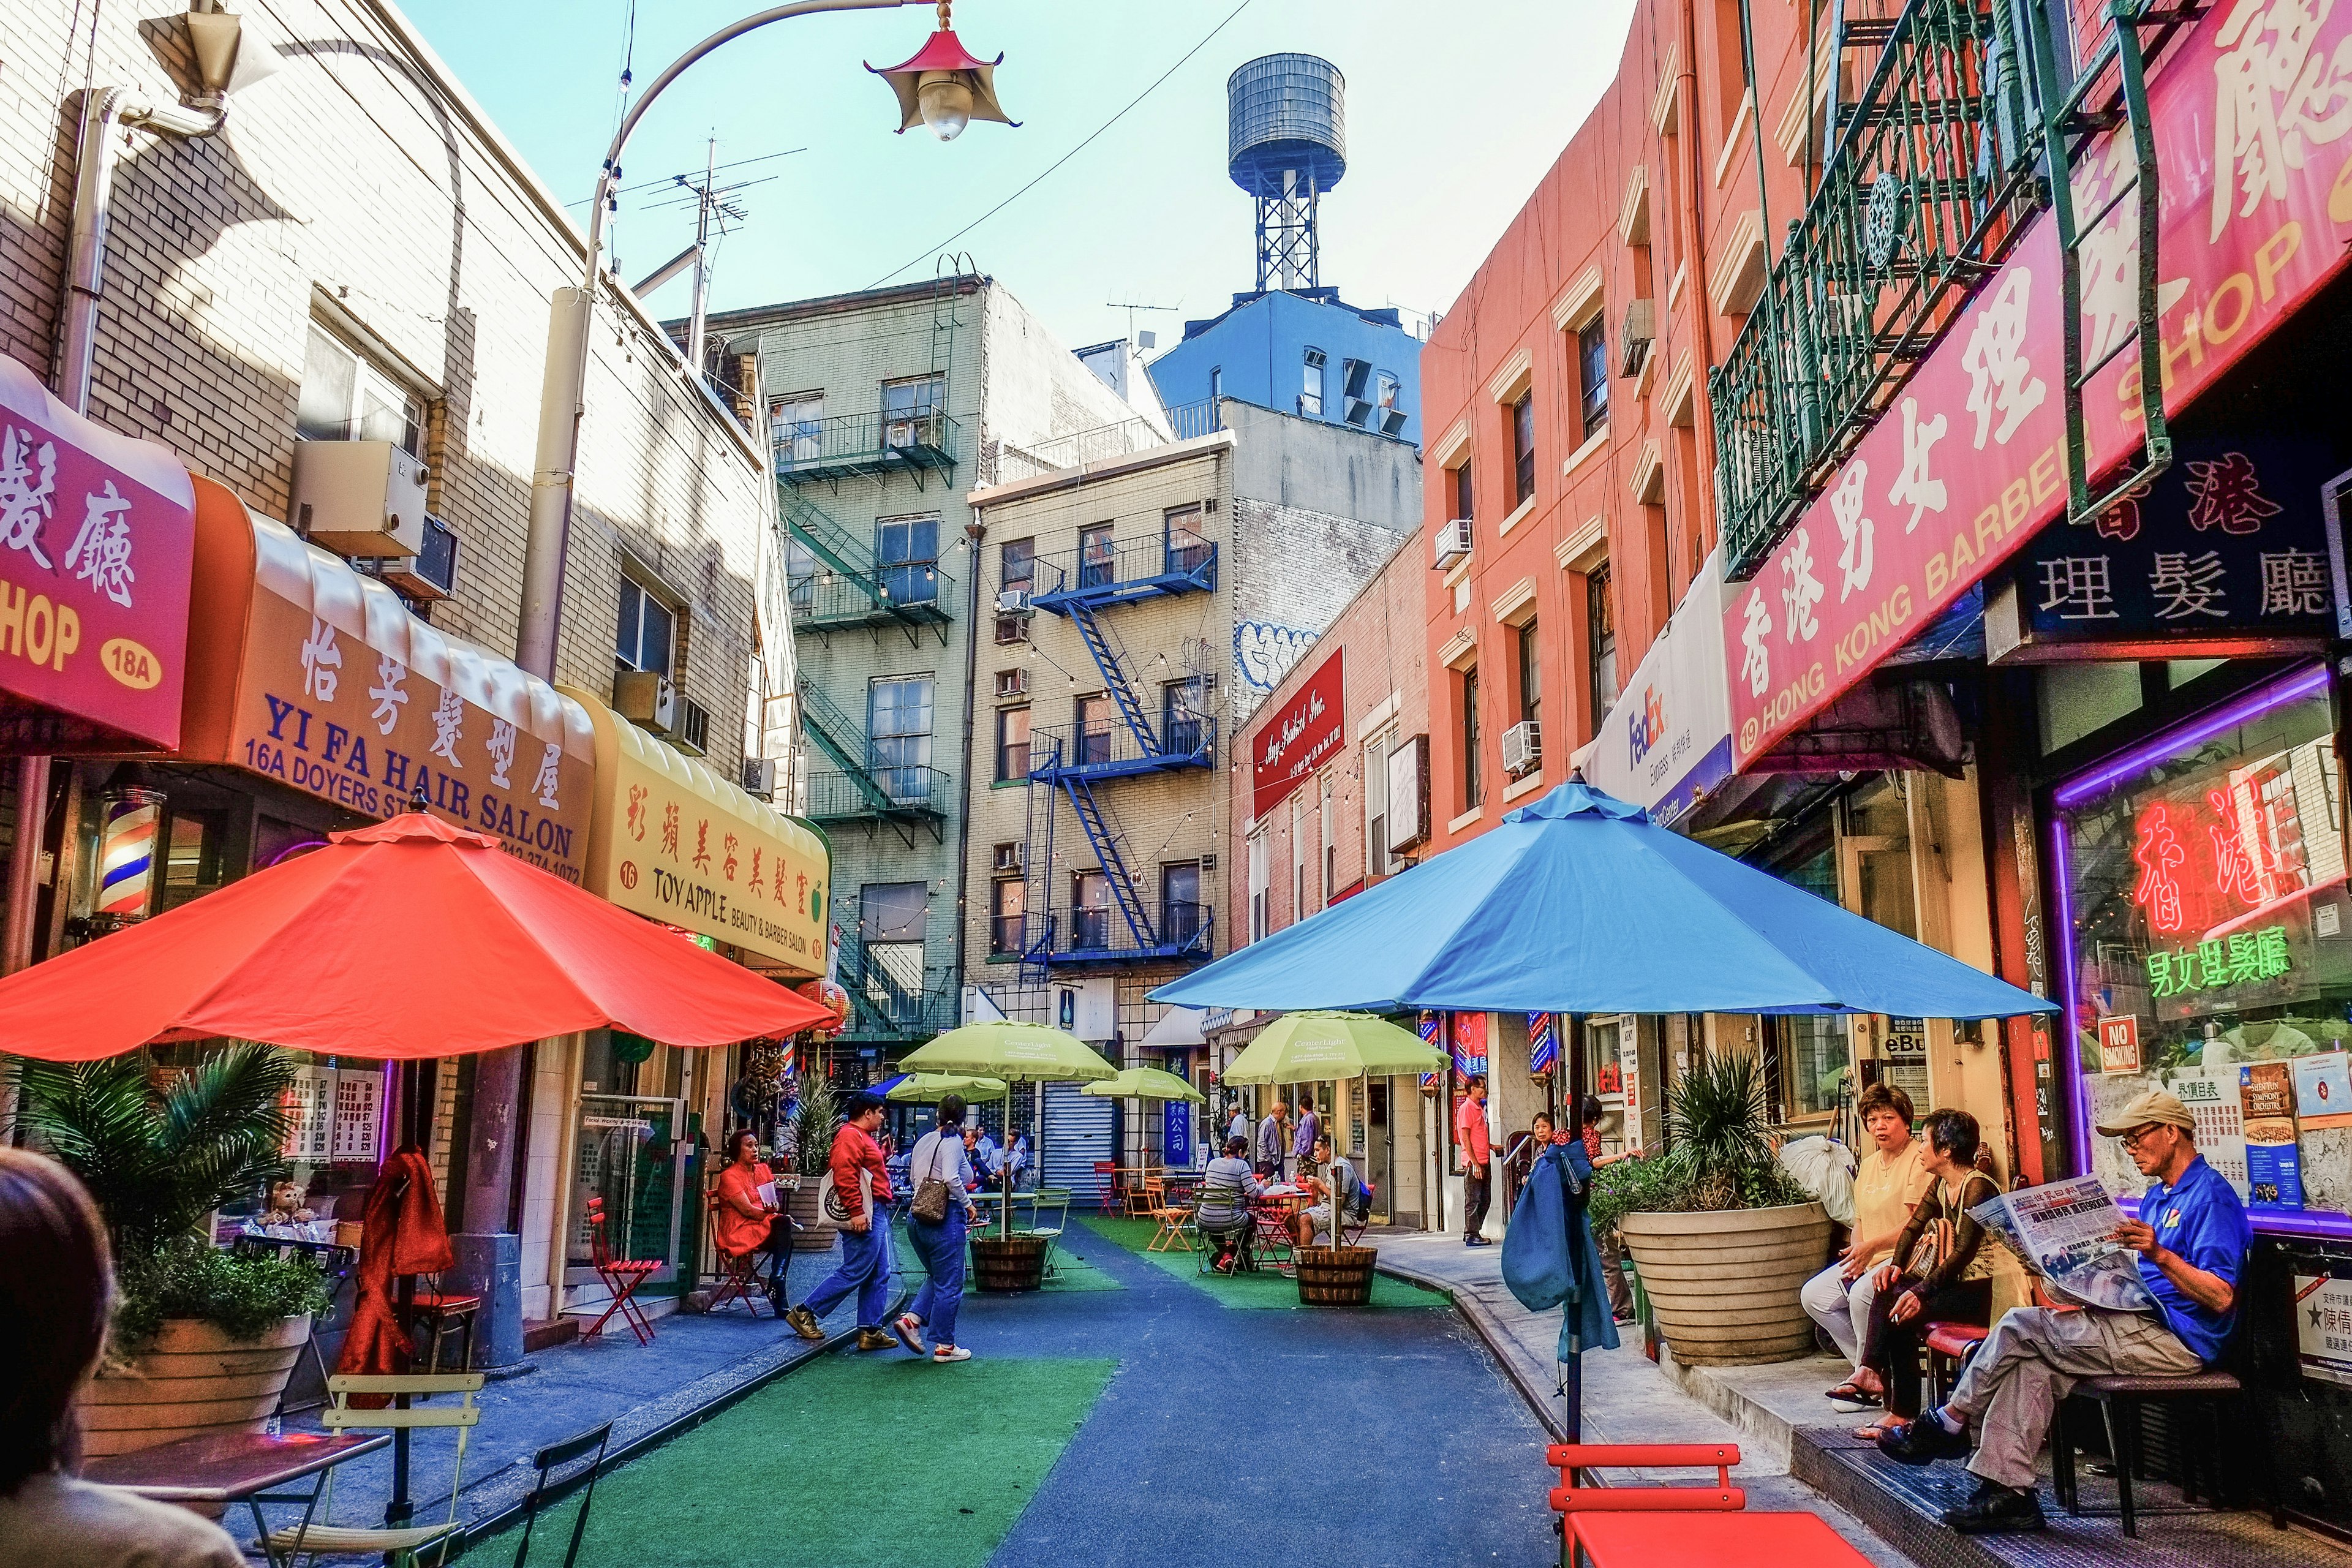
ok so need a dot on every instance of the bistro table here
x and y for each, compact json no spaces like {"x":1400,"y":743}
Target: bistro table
{"x":1679,"y":1540}
{"x":212,"y":1472}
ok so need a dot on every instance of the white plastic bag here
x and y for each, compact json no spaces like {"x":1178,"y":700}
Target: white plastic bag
{"x":1825,"y":1169}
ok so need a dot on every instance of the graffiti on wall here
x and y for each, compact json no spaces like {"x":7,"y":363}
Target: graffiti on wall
{"x":1264,"y":652}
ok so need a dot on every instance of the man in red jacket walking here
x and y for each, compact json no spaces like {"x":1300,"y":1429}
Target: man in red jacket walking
{"x":859,"y":1201}
{"x":1470,"y":1142}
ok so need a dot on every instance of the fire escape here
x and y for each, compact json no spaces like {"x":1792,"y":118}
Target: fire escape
{"x":1960,"y":132}
{"x":1113,"y":919}
{"x":862,"y":785}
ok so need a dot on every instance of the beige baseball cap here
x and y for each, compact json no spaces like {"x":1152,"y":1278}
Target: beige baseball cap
{"x":2155,"y":1106}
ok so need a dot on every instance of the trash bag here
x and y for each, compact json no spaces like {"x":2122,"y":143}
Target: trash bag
{"x":1825,"y":1169}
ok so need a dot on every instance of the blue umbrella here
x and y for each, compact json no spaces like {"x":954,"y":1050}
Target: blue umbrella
{"x":1578,"y":903}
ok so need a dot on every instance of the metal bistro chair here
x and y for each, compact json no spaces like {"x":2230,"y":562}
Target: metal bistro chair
{"x":1173,"y":1219}
{"x":401,"y":1547}
{"x":2227,"y":1427}
{"x":550,"y":1486}
{"x":1049,"y":1217}
{"x":739,"y":1272}
{"x":622,"y":1276}
{"x":1272,"y":1220}
{"x":1106,"y":1185}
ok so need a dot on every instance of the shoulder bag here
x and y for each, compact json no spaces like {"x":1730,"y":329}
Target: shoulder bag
{"x":932,"y":1196}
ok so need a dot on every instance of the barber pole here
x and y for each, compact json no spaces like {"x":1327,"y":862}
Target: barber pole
{"x":1543,"y":1045}
{"x":126,"y":855}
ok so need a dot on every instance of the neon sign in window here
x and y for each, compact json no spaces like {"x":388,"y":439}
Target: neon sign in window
{"x":2241,"y":958}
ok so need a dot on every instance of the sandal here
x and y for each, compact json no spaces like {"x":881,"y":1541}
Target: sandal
{"x":1852,"y":1393}
{"x":1885,"y":1429}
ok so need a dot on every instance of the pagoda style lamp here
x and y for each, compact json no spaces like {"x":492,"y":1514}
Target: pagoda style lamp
{"x":945,"y":86}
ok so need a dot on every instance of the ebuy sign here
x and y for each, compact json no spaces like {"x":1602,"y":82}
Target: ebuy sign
{"x":1970,"y":459}
{"x":1299,"y":738}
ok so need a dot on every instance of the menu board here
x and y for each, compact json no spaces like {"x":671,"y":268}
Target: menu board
{"x":309,"y":1104}
{"x":2274,"y":1157}
{"x":359,"y":1117}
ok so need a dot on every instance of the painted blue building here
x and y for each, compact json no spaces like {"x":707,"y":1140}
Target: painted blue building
{"x":1302,"y":351}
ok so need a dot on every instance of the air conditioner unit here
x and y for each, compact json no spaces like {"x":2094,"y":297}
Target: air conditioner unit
{"x":1014,"y":602}
{"x":430,"y":575}
{"x":693,"y":735}
{"x":1209,"y":861}
{"x":1013,"y":682}
{"x":646,"y":700}
{"x":1522,"y":748}
{"x":359,"y":497}
{"x":1008,"y":857}
{"x":759,"y":776}
{"x":1641,"y":332}
{"x":1012,"y":629}
{"x":1453,"y":542}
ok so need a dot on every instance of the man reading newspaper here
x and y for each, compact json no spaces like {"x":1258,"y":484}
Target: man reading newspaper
{"x":2192,"y":1237}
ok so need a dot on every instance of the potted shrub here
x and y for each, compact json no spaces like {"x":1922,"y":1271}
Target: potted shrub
{"x":814,"y":1121}
{"x":1722,"y":1237}
{"x":203,"y":1340}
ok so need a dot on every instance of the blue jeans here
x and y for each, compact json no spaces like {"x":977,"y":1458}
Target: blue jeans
{"x":942,"y":1248}
{"x":865,"y":1269}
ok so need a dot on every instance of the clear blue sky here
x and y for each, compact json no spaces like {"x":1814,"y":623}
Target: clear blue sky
{"x":1455,"y":109}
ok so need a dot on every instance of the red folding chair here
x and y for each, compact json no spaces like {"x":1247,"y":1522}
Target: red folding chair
{"x":1273,"y":1243}
{"x":1107,"y":1194}
{"x":622,"y":1276}
{"x":1569,"y":1499}
{"x":738,"y":1273}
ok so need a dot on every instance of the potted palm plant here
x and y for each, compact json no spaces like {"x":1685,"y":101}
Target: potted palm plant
{"x":1722,"y":1237}
{"x":816,"y":1120}
{"x":203,"y":1340}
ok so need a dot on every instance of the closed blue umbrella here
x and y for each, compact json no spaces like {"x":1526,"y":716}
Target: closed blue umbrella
{"x":1578,"y":903}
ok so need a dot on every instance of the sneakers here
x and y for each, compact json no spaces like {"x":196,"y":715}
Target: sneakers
{"x":875,"y":1340}
{"x":909,"y":1329}
{"x":946,"y":1354}
{"x":1924,"y":1441}
{"x":1997,"y":1509}
{"x":803,"y":1322}
{"x":1473,"y":1239}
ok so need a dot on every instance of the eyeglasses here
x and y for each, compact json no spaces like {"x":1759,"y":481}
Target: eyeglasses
{"x":2138,"y":1135}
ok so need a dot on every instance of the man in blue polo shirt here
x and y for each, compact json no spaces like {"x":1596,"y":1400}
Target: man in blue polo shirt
{"x":2192,"y":1238}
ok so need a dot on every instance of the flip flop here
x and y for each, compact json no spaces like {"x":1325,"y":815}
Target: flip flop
{"x":1848,"y":1394}
{"x":1873,"y":1433}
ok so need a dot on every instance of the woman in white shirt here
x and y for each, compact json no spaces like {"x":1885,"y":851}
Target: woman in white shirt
{"x":940,"y":1155}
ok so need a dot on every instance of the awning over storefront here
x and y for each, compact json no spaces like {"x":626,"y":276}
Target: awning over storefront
{"x":301,"y":670}
{"x":676,"y":843}
{"x":1667,"y":741}
{"x":96,"y":533}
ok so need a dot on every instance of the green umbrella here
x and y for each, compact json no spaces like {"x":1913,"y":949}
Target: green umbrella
{"x":1301,"y":1048}
{"x":1014,"y":1053}
{"x":1145,"y":1083}
{"x":929,"y":1088}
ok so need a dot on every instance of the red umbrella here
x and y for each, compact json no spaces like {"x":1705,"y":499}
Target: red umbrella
{"x":408,"y":939}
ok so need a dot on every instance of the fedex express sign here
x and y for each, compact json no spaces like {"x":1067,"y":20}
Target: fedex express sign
{"x":2253,"y":135}
{"x":1300,"y":737}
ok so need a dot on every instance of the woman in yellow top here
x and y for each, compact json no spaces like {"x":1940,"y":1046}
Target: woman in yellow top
{"x":1886,"y":1188}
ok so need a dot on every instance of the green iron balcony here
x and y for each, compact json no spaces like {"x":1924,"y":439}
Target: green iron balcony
{"x":910,"y":593}
{"x":878,"y":793}
{"x":1934,"y":172}
{"x":852,"y":444}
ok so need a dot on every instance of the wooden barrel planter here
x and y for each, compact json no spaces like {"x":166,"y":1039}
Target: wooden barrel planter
{"x":192,"y":1378}
{"x":1002,"y":1264}
{"x":1335,"y":1276}
{"x":1723,"y":1284}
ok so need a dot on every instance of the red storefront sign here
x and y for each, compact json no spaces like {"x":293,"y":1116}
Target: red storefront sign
{"x":1970,"y":459}
{"x":96,"y":534}
{"x":1299,"y":738}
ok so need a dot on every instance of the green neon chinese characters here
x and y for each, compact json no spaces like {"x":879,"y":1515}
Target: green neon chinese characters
{"x":2222,"y":961}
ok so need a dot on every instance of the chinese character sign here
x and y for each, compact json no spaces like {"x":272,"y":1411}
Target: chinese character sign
{"x":96,"y":541}
{"x":2253,"y":138}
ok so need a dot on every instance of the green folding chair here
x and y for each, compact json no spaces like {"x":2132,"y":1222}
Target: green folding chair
{"x":402,"y":1547}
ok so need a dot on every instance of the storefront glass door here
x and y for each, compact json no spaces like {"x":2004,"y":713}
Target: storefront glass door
{"x":629,"y":1153}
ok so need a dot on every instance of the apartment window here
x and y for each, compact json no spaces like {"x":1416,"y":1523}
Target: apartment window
{"x":1299,"y":858}
{"x":1731,"y":65}
{"x":1016,"y":562}
{"x":1600,"y":641}
{"x":1097,"y":564}
{"x":801,"y":569}
{"x":346,"y":398}
{"x":1180,"y":718}
{"x":1530,"y":675}
{"x":1474,"y":790}
{"x":1181,"y":913}
{"x":1089,"y":910}
{"x":1261,"y":876}
{"x":1523,"y":448}
{"x":1310,"y":395}
{"x":1012,"y":744}
{"x":910,"y":410}
{"x":1375,"y":784}
{"x":1094,"y":729}
{"x":1011,"y":629}
{"x":1188,"y":548}
{"x":898,"y":717}
{"x":1388,"y":394}
{"x":907,"y":551}
{"x":890,"y":920}
{"x":1592,"y":375}
{"x":1326,"y":829}
{"x":1459,"y":479}
{"x":1008,"y":912}
{"x":1356,"y":391}
{"x":647,"y":638}
{"x":795,"y":425}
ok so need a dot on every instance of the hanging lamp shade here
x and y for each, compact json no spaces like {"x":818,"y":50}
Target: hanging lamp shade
{"x":943,"y":60}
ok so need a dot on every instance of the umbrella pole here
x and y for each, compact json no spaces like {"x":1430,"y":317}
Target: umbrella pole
{"x":414,"y":1118}
{"x":1004,"y":1172}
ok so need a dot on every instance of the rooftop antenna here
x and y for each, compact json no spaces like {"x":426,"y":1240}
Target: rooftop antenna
{"x":717,"y":211}
{"x":1131,"y":308}
{"x":1287,"y":144}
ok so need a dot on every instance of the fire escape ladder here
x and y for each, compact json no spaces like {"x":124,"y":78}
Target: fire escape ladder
{"x":1036,"y":937}
{"x":843,"y":741}
{"x":832,"y":544}
{"x":1104,"y":834}
{"x":2109,"y":230}
{"x":1109,"y":659}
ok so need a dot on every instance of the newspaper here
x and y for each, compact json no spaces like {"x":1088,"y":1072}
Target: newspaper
{"x":2065,"y":1233}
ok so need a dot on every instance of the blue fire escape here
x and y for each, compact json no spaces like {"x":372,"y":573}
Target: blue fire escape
{"x":1119,"y":925}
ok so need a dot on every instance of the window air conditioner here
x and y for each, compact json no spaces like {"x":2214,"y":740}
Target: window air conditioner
{"x":1008,"y":857}
{"x":1641,"y":332}
{"x":1453,"y":542}
{"x":359,"y":497}
{"x":759,"y":776}
{"x":693,"y":735}
{"x":1013,"y":601}
{"x":1013,"y":682}
{"x":647,"y":699}
{"x":430,"y":575}
{"x":1522,"y":748}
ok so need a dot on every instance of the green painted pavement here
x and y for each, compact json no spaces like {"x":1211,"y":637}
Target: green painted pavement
{"x":1263,"y":1291}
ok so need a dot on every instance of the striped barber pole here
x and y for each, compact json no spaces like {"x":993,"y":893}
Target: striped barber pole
{"x":1432,"y":1033}
{"x":1543,"y":1045}
{"x":126,"y":855}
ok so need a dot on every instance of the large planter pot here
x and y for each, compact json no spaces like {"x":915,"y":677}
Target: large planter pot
{"x":1724,"y":1284}
{"x":192,"y":1378}
{"x":808,"y":1213}
{"x":1008,"y":1263}
{"x":1335,"y":1276}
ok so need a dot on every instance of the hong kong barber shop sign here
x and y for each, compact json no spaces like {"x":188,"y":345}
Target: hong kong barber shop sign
{"x":2253,"y":112}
